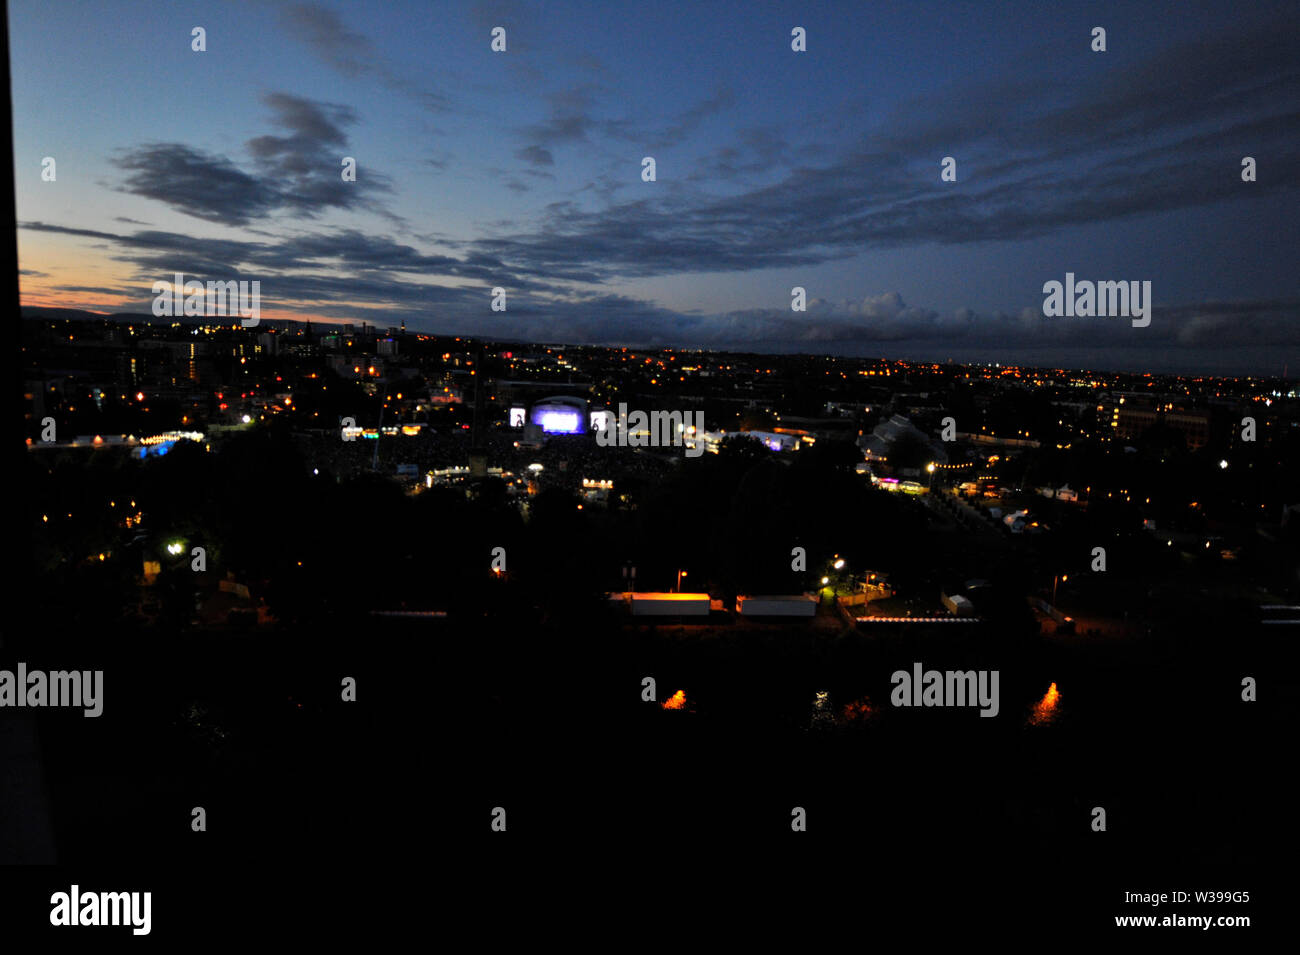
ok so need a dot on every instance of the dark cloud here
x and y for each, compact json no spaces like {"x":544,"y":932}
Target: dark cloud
{"x":573,"y":120}
{"x":574,"y":117}
{"x":888,"y":318}
{"x":198,"y":184}
{"x":38,"y":226}
{"x":536,"y":155}
{"x":686,"y":124}
{"x":311,"y":126}
{"x":562,"y":128}
{"x":345,"y":251}
{"x":321,"y":29}
{"x":757,"y":151}
{"x":298,"y":172}
{"x":351,"y":53}
{"x":306,"y":163}
{"x":88,"y":289}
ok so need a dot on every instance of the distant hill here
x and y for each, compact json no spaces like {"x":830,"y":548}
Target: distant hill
{"x":64,"y":314}
{"x":138,"y":318}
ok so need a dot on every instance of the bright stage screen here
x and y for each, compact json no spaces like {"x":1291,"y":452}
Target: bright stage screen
{"x":558,"y":422}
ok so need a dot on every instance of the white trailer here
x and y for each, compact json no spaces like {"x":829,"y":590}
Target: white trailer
{"x":670,"y":605}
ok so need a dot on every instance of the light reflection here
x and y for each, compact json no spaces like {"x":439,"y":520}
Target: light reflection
{"x":858,"y":711}
{"x":821,"y":709}
{"x":676,"y":702}
{"x":1045,"y":710}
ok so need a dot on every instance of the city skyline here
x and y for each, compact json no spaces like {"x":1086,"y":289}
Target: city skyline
{"x":775,"y":169}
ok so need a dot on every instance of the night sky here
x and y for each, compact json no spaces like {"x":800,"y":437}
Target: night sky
{"x":775,"y":169}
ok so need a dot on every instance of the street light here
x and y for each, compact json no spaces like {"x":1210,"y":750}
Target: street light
{"x":1054,"y":580}
{"x":680,"y":575}
{"x":930,"y":468}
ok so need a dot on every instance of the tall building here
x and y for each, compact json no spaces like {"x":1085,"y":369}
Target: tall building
{"x":1130,"y":421}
